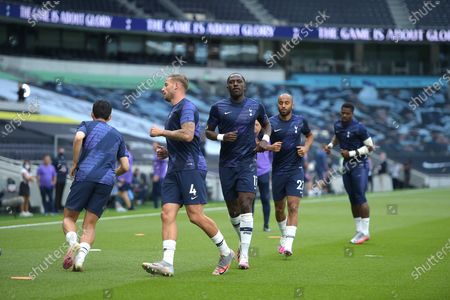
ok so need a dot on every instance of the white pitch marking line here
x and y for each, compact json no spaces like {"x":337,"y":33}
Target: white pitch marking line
{"x":312,"y":201}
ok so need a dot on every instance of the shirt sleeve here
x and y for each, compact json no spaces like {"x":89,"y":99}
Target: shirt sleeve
{"x":305,"y":127}
{"x":187,"y":114}
{"x":53,"y":171}
{"x":122,"y":151}
{"x":363,"y":133}
{"x":213,"y":119}
{"x":262,"y":116}
{"x":39,"y":172}
{"x":82,"y":127}
{"x":271,"y":133}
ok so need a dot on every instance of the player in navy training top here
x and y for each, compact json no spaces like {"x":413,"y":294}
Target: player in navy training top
{"x":235,"y":118}
{"x":185,"y":182}
{"x":288,"y":177}
{"x":96,"y":148}
{"x":355,"y":143}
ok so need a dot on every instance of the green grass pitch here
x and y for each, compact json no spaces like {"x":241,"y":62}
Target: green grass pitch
{"x":407,"y":228}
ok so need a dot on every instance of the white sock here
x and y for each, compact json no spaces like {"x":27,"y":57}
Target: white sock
{"x":282,"y":226}
{"x":236,"y":222}
{"x":365,"y":226}
{"x":84,"y":250}
{"x":71,"y":238}
{"x":169,"y":250}
{"x":246,"y":231}
{"x":358,"y":224}
{"x":220,"y":242}
{"x":290,"y":235}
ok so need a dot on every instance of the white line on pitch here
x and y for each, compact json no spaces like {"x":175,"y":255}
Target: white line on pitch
{"x":157,"y":214}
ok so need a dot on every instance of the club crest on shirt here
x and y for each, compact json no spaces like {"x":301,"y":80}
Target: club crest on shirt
{"x":348,"y":134}
{"x":296,"y":128}
{"x":250,"y":111}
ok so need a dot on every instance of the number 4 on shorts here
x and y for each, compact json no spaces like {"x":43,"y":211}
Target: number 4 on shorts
{"x":192,"y":190}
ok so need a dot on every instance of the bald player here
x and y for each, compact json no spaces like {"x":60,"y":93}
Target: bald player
{"x":287,"y":168}
{"x":235,"y":118}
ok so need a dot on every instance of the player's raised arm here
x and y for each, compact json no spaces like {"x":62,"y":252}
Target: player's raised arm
{"x":275,"y":147}
{"x":161,"y":152}
{"x":334,"y":142}
{"x":367,"y":141}
{"x":212,"y":125}
{"x":185,"y":134}
{"x":366,"y":149}
{"x":223,"y":137}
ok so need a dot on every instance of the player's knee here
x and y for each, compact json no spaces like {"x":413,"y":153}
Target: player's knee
{"x":68,"y":220}
{"x":196,"y":219}
{"x":293,"y":209}
{"x":246,"y":202}
{"x":279,"y":211}
{"x":246,"y":208}
{"x":165,"y":217}
{"x":89,"y":223}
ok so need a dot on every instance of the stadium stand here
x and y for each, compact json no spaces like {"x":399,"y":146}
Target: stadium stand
{"x":217,"y":10}
{"x":98,"y":6}
{"x":154,"y":8}
{"x":421,"y":135}
{"x":429,"y":16}
{"x":372,"y":13}
{"x":346,"y":12}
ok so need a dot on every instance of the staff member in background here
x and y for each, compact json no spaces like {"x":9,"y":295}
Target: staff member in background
{"x":24,"y":189}
{"x":124,"y":182}
{"x":46,"y":177}
{"x":20,"y":92}
{"x":60,"y":165}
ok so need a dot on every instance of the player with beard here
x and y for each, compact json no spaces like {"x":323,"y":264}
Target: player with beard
{"x":184,"y":183}
{"x":288,"y":176}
